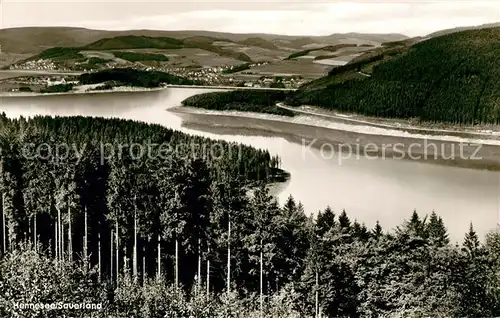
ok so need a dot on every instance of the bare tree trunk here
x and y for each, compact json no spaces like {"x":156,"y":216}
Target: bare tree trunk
{"x":199,"y":266}
{"x":35,"y":237}
{"x":62,"y":239}
{"x":208,"y":271}
{"x":317,"y":294}
{"x":99,"y":251}
{"x":134,"y":254}
{"x":85,"y":247}
{"x":29,"y":231}
{"x":261,"y":279}
{"x":59,"y":234}
{"x":70,"y":237}
{"x":176,"y":263}
{"x":117,"y":253}
{"x":143,"y":264}
{"x":158,"y":274}
{"x":229,"y":257}
{"x":111,"y":259}
{"x":56,"y":243}
{"x":4,"y":231}
{"x":125,"y":260}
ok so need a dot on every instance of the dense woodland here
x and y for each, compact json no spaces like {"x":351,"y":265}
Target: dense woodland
{"x":451,"y":78}
{"x":196,"y":233}
{"x":263,"y":101}
{"x":133,"y":77}
{"x":139,"y":57}
{"x":58,"y":88}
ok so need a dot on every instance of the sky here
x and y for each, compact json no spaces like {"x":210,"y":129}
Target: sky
{"x":299,"y":17}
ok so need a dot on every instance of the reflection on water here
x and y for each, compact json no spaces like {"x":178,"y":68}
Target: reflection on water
{"x":369,"y":189}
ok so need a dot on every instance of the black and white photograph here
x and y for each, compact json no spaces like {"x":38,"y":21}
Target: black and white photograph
{"x":249,"y":159}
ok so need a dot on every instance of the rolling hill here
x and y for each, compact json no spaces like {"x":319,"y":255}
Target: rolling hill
{"x":450,"y":78}
{"x":132,"y":42}
{"x":36,"y":39}
{"x":259,"y":42}
{"x":135,"y":42}
{"x":464,"y":28}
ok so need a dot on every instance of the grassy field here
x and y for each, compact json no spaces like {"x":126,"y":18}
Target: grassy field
{"x":305,"y":68}
{"x":7,"y":59}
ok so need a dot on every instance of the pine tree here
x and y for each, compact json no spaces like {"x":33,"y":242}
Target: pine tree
{"x":436,"y":231}
{"x":475,"y":270}
{"x":344,"y":222}
{"x":415,"y":225}
{"x":471,"y":242}
{"x":377,"y":231}
{"x":360,"y":231}
{"x":325,"y":221}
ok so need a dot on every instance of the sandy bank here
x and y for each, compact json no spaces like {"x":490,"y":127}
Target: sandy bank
{"x":309,"y":132}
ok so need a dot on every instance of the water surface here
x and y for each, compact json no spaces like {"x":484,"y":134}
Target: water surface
{"x":369,"y":189}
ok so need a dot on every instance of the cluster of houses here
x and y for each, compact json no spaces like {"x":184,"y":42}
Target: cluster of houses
{"x":37,"y":65}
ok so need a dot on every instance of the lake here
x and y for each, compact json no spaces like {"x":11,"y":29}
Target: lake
{"x":386,"y":190}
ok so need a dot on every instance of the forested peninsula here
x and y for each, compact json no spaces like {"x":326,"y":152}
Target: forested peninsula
{"x":133,"y":77}
{"x":257,"y":101}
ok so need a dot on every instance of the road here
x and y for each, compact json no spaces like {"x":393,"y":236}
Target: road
{"x":365,"y":74}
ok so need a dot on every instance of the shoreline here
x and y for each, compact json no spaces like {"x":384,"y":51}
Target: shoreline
{"x":126,"y":89}
{"x":331,"y":124}
{"x":221,"y":122}
{"x":79,"y":92}
{"x":388,"y":123}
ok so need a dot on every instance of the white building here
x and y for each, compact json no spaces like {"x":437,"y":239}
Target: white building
{"x":50,"y":83}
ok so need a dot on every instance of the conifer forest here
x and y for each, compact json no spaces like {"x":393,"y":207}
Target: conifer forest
{"x":195,"y":232}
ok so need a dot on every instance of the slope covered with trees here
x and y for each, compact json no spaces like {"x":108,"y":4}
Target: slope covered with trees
{"x":138,"y":57}
{"x":331,"y":48}
{"x":133,"y":77}
{"x":135,"y":42}
{"x":241,"y":100}
{"x":452,"y":78}
{"x":144,"y":221}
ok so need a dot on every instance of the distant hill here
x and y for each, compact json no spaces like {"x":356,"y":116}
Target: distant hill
{"x":450,"y":78}
{"x":464,"y":28}
{"x":330,"y":48}
{"x":373,"y":37}
{"x":135,"y":42}
{"x":139,"y":42}
{"x":37,"y":39}
{"x":259,"y":42}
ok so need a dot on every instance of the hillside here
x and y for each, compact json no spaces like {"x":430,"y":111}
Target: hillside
{"x":135,"y":42}
{"x":132,"y":42}
{"x":259,"y":42}
{"x":451,"y":78}
{"x":464,"y":28}
{"x":328,"y":48}
{"x":37,"y":39}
